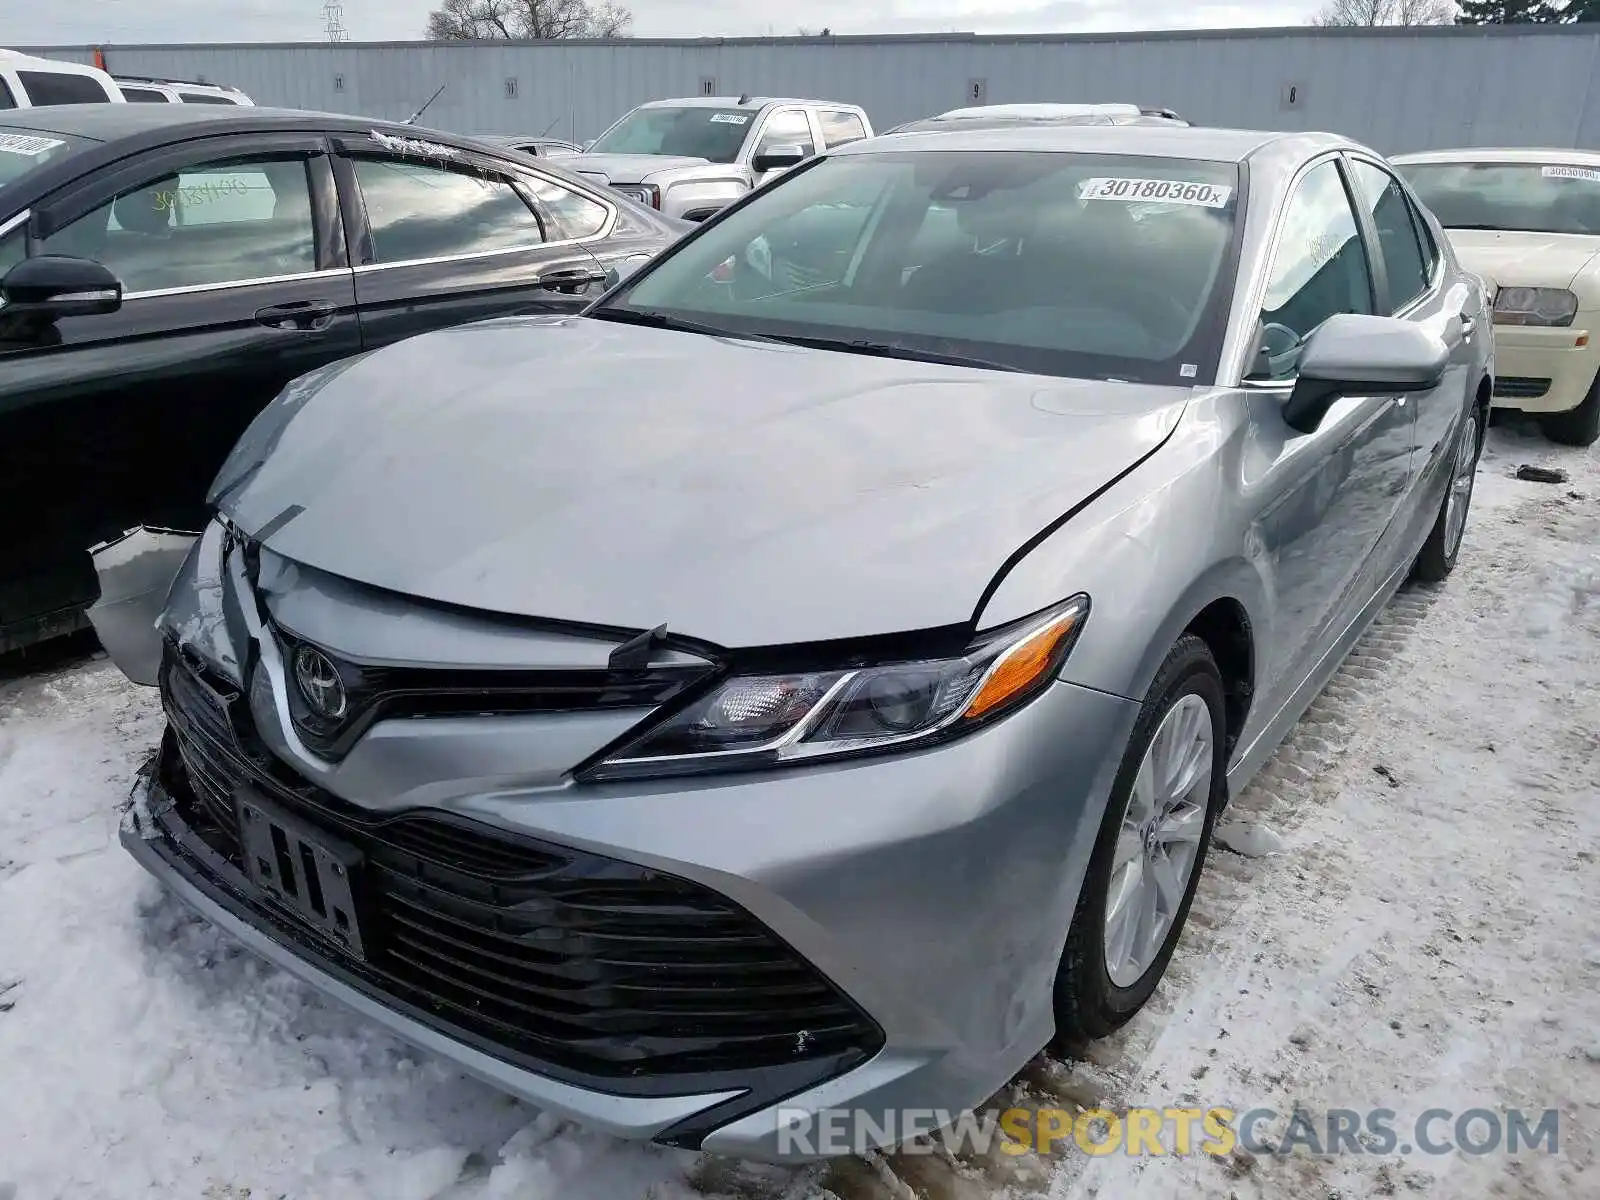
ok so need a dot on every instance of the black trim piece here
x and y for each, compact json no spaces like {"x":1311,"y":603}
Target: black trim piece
{"x":353,"y":204}
{"x":1366,"y":230}
{"x":378,"y":692}
{"x":332,"y":254}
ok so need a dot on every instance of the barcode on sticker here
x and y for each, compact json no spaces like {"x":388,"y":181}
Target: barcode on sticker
{"x":1167,"y":191}
{"x":729,"y":118}
{"x":1589,"y":173}
{"x":17,"y":143}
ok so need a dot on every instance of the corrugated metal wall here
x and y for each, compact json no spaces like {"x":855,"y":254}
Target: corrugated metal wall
{"x":1396,"y":89}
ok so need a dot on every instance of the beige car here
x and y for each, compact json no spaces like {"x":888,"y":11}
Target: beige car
{"x":1528,"y":222}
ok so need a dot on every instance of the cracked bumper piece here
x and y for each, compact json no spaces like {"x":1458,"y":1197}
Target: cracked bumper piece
{"x":674,"y":1001}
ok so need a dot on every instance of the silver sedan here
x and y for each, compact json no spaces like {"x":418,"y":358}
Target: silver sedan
{"x":807,"y":681}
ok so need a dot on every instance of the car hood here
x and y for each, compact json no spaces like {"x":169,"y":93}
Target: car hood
{"x":745,"y":493}
{"x":1514,"y":259}
{"x":629,"y":168}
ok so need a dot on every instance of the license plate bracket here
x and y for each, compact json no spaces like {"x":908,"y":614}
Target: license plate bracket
{"x":302,"y":869}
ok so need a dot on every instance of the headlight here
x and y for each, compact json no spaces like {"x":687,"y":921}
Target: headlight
{"x":768,"y":720}
{"x":644,"y":193}
{"x":1534,"y":306}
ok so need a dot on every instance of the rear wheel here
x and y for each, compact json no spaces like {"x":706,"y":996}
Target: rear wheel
{"x":1438,"y":556}
{"x":1577,"y":426}
{"x":1152,"y":843}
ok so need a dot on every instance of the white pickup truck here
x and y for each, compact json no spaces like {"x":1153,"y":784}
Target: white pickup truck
{"x":688,"y":158}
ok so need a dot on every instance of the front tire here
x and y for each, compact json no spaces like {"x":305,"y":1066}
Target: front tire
{"x":1577,"y":426}
{"x":1438,"y":555}
{"x":1149,"y":853}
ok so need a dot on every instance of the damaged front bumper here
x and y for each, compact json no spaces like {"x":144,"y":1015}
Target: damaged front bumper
{"x":154,"y":832}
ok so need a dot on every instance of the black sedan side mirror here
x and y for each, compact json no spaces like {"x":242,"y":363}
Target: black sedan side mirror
{"x":778,"y":158}
{"x":56,"y":285}
{"x":1353,"y":354}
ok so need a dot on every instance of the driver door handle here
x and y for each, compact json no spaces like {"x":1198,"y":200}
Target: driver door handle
{"x":308,"y":316}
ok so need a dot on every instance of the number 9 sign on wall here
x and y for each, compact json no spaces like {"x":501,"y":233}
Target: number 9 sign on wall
{"x":1166,"y":191}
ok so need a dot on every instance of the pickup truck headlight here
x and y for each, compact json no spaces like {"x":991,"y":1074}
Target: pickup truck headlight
{"x":1534,"y":306}
{"x":645,"y":193}
{"x":748,"y":721}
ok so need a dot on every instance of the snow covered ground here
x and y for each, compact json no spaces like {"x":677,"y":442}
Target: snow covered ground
{"x":1424,"y":932}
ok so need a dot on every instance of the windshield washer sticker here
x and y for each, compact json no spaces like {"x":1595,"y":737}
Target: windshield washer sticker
{"x":1589,"y":173}
{"x":405,"y":145}
{"x":1167,"y":191}
{"x":729,"y":119}
{"x":18,"y":143}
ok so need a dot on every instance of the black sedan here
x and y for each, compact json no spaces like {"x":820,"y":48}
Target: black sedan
{"x":166,"y":269}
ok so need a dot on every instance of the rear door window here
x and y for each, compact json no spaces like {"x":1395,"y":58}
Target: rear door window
{"x":139,"y":95}
{"x":1405,"y":260}
{"x":59,"y":87}
{"x":840,"y":128}
{"x":6,"y":98}
{"x":419,"y":210}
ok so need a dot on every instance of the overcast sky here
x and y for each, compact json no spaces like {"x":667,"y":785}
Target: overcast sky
{"x":71,"y":22}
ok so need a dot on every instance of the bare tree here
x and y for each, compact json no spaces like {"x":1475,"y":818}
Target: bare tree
{"x":543,"y":20}
{"x":1386,"y":12}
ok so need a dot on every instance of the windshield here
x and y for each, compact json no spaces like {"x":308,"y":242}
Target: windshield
{"x":1082,"y":265}
{"x":25,"y":150}
{"x":1529,"y":197}
{"x":714,"y":134}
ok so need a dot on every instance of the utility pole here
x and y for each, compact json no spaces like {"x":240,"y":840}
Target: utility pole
{"x":333,"y":21}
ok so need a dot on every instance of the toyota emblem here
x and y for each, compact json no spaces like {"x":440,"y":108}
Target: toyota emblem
{"x":319,"y":683}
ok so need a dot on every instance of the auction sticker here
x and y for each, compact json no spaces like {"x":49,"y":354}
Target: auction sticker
{"x":1589,"y":173}
{"x":1166,"y":191}
{"x":17,"y":143}
{"x":729,"y":118}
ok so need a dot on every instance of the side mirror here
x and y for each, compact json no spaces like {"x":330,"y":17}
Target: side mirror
{"x":624,"y":270}
{"x":778,"y":158}
{"x":55,"y":285}
{"x":1354,"y":354}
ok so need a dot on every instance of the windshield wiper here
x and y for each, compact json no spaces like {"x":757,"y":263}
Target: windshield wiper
{"x":661,"y":320}
{"x":889,"y":350}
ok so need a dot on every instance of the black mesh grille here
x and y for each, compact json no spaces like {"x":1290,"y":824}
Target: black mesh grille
{"x":570,"y":959}
{"x":1522,"y":388}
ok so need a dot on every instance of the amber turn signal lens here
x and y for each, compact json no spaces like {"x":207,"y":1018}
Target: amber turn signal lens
{"x":1020,"y":667}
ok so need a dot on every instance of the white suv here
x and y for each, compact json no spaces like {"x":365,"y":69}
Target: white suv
{"x":139,"y":90}
{"x":28,"y":82}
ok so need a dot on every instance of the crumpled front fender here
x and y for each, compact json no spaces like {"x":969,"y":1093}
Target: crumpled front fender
{"x":136,"y":572}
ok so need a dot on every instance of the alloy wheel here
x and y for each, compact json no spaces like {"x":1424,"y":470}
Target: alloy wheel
{"x":1158,"y":845}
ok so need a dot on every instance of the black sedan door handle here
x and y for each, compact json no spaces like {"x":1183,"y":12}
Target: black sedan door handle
{"x":571,"y":278}
{"x":308,"y":315}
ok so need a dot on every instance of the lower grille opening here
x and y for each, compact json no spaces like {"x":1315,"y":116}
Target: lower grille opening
{"x":1520,"y":387}
{"x":557,"y":957}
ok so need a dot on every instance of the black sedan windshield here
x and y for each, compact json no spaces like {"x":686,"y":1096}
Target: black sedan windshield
{"x":1086,"y":265}
{"x":1527,"y":197}
{"x":714,"y":134}
{"x":26,"y":150}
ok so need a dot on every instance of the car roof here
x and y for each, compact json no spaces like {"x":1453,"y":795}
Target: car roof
{"x":1165,"y":140}
{"x":751,"y":102}
{"x":110,"y":122}
{"x":1517,"y":154}
{"x":1037,"y":110}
